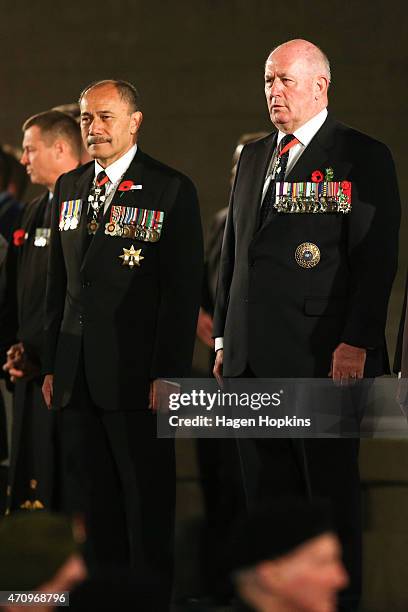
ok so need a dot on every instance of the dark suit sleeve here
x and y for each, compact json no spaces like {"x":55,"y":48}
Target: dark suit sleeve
{"x":181,"y":269}
{"x":400,"y":338}
{"x":56,"y":287}
{"x":8,"y":296}
{"x":373,"y":247}
{"x":226,"y":269}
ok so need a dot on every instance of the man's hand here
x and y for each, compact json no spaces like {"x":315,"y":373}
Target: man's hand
{"x":47,"y":389}
{"x":217,"y":370}
{"x":19,"y":365}
{"x":159,"y":393}
{"x":204,"y":328}
{"x":347,"y":363}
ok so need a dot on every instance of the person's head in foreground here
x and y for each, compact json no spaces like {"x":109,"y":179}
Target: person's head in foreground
{"x":38,"y":552}
{"x":286,"y":558}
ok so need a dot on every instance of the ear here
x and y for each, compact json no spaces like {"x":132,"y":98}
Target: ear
{"x":59,"y":148}
{"x":320,"y":87}
{"x":135,"y":122}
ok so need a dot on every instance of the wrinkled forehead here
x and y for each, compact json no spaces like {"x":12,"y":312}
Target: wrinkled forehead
{"x":105,"y":97}
{"x":287,"y":61}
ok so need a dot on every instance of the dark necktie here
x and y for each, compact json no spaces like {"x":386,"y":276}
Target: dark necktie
{"x":96,"y":201}
{"x":280,"y":164}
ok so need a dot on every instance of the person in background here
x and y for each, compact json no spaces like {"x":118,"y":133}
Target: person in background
{"x":18,"y":180}
{"x":10,"y":207}
{"x":51,"y":147}
{"x":74,"y":111}
{"x":217,"y":458}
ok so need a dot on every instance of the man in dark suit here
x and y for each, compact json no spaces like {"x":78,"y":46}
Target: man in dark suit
{"x":51,"y":147}
{"x":123,"y":293}
{"x":314,"y":217}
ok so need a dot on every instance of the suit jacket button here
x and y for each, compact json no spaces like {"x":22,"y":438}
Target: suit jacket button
{"x":81,"y":319}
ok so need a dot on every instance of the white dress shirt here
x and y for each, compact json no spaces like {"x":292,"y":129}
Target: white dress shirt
{"x":115,"y":173}
{"x":304,"y":134}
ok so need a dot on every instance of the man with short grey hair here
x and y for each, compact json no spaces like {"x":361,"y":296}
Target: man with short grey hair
{"x":51,"y":147}
{"x":314,"y":216}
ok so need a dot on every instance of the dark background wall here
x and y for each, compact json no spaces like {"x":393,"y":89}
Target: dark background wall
{"x":199,"y":68}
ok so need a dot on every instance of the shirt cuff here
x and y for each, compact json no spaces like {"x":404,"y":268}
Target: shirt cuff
{"x":218,"y":344}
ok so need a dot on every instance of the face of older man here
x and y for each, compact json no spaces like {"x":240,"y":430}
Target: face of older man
{"x":108,"y":125}
{"x":295,"y":87}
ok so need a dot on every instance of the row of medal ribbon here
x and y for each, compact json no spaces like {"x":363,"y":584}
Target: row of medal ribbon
{"x":309,"y":197}
{"x":137,"y":223}
{"x":329,"y":189}
{"x":125,"y":221}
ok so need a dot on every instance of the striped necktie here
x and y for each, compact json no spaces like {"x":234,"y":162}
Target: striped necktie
{"x":281,"y":163}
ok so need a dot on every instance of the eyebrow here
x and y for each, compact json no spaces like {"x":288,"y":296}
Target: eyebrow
{"x":99,"y":112}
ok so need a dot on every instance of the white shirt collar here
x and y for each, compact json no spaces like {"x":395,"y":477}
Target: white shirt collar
{"x":116,"y":170}
{"x":306,"y":132}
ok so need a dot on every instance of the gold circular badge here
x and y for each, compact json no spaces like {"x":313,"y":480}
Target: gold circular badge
{"x":307,"y":255}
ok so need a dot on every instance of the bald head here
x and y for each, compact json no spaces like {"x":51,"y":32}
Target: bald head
{"x":297,"y":77}
{"x":311,"y":55}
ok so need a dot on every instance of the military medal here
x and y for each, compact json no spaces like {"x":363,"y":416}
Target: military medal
{"x":110,"y":228}
{"x":135,"y":223}
{"x":316,"y":196}
{"x":131,"y":257}
{"x":93,"y":226}
{"x":42,"y":237}
{"x":70,"y":214}
{"x":307,"y":255}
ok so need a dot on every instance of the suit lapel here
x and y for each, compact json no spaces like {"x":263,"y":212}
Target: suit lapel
{"x":261,"y":164}
{"x":133,"y":198}
{"x":316,"y":155}
{"x":83,"y":187}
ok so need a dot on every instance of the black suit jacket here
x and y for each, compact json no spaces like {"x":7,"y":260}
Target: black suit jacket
{"x":23,"y":283}
{"x":284,"y":320}
{"x":130,"y":325}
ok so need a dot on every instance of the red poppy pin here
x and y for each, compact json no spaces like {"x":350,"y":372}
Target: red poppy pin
{"x":19,"y":237}
{"x":125,"y":186}
{"x":346,"y":186}
{"x":317,"y":176}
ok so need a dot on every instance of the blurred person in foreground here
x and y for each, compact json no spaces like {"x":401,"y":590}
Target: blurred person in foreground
{"x":40,"y":552}
{"x":51,"y":147}
{"x":285,"y":557}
